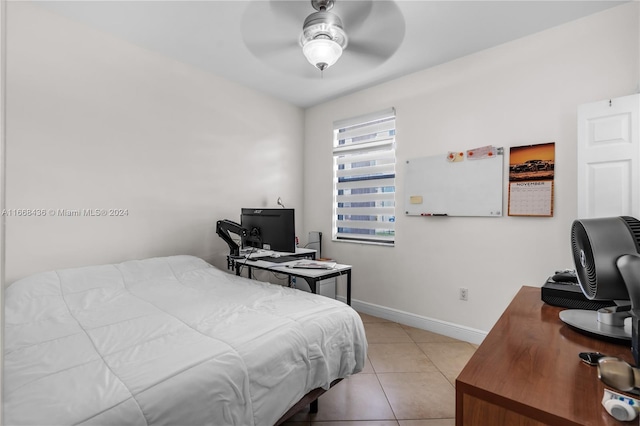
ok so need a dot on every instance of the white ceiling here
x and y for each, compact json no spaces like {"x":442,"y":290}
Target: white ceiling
{"x":254,"y":43}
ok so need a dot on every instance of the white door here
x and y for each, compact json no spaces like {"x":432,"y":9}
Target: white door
{"x":609,"y":158}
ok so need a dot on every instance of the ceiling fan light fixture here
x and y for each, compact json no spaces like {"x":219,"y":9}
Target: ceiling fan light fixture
{"x":323,"y":39}
{"x":322,"y":52}
{"x":325,"y":24}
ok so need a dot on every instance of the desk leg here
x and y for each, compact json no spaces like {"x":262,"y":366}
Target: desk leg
{"x":239,"y":265}
{"x":314,"y":281}
{"x":312,"y":284}
{"x":349,"y":287}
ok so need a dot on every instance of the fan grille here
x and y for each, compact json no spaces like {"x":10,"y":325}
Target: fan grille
{"x":597,"y":244}
{"x":634,"y":227}
{"x":583,"y":257}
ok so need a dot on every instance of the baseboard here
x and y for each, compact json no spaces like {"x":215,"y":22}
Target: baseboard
{"x":455,"y":331}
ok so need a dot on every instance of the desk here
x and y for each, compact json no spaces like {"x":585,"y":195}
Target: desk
{"x":311,"y":276}
{"x":303,"y":253}
{"x":527,"y":371}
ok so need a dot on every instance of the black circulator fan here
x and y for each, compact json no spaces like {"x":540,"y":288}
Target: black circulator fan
{"x":606,"y":256}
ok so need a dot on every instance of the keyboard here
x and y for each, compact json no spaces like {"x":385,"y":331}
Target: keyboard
{"x":280,"y":259}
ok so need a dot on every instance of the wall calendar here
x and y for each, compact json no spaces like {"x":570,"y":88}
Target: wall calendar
{"x":531,"y":174}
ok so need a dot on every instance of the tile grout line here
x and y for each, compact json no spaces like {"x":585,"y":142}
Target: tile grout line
{"x":395,"y":416}
{"x":425,"y":354}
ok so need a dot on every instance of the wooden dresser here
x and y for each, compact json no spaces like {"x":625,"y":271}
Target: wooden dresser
{"x":527,"y":372}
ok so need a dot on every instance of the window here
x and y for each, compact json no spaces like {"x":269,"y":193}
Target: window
{"x":364,"y":158}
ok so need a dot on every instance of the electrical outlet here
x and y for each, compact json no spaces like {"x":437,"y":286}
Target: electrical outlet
{"x":464,"y":293}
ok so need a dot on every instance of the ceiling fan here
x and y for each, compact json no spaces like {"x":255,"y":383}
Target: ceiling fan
{"x":361,"y":33}
{"x":323,"y":39}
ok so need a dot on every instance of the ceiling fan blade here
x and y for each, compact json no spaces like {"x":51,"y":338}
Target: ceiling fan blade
{"x":266,"y":33}
{"x":290,"y":10}
{"x":381,"y":35}
{"x":369,"y":48}
{"x":352,"y":13}
{"x":263,"y":48}
{"x":380,"y":47}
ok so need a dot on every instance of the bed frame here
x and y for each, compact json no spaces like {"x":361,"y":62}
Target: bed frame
{"x":310,"y":399}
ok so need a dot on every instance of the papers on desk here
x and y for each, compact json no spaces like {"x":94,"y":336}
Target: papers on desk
{"x":258,"y":254}
{"x":312,"y":264}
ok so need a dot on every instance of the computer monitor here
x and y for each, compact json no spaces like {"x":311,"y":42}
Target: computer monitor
{"x":269,"y":229}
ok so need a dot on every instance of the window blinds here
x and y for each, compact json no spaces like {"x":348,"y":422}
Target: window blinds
{"x":364,"y":178}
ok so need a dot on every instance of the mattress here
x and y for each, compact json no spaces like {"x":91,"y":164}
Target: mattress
{"x":168,"y":341}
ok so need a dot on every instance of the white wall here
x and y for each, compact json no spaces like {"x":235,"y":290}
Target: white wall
{"x":96,"y":123}
{"x":524,"y":92}
{"x":3,"y":62}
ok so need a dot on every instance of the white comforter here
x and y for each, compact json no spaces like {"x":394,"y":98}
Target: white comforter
{"x":169,"y":341}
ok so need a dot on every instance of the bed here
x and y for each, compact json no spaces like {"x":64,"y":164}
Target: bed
{"x":171,"y":341}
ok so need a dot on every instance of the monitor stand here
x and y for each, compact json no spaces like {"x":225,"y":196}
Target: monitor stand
{"x":607,"y":323}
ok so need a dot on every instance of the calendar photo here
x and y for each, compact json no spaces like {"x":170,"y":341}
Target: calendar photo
{"x":531,"y":174}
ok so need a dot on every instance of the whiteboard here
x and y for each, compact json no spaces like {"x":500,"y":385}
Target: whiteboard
{"x":435,"y":186}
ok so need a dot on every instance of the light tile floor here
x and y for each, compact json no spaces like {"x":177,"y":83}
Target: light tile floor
{"x":408,"y":380}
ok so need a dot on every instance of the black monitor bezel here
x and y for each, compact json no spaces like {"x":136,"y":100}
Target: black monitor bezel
{"x":279,"y":235}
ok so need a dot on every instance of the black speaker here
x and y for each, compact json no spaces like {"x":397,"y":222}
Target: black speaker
{"x":569,"y":295}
